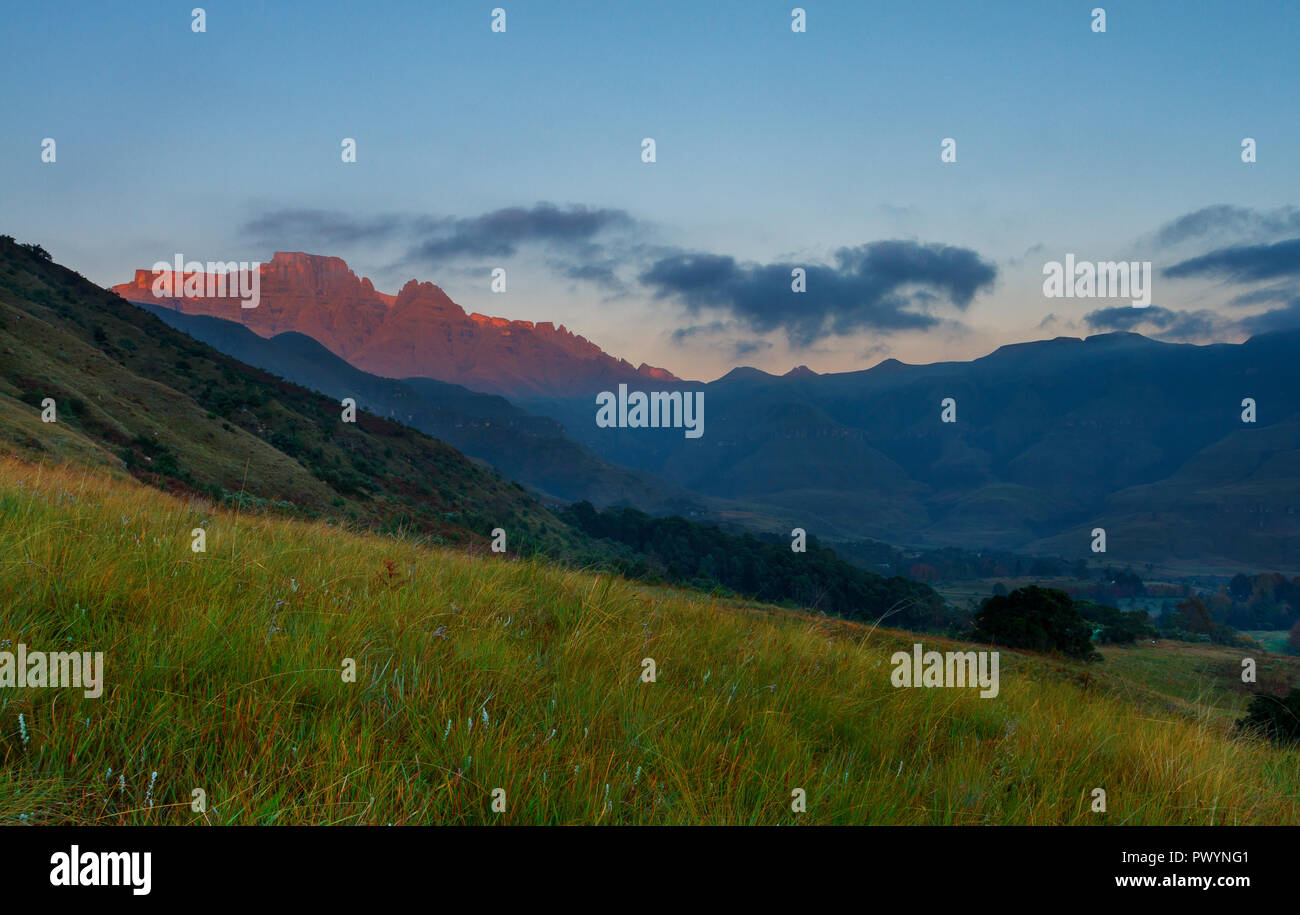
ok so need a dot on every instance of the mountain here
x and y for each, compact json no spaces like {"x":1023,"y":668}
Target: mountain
{"x":1052,"y":439}
{"x":420,"y":332}
{"x":133,"y":395}
{"x":533,"y":450}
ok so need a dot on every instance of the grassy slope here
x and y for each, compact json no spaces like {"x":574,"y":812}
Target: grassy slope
{"x":477,"y":673}
{"x":116,"y":372}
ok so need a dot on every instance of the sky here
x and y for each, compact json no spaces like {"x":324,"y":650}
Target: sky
{"x":774,"y":149}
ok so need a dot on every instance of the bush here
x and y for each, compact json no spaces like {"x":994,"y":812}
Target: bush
{"x":1116,"y":626}
{"x":1037,"y":619}
{"x":1274,"y":717}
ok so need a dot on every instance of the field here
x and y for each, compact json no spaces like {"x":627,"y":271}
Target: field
{"x":224,"y":673}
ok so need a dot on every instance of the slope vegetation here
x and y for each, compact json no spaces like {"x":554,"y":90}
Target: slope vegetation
{"x":224,"y":672}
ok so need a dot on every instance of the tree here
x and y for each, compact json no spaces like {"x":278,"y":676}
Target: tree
{"x":1274,"y":717}
{"x":1293,"y":639}
{"x":1118,"y":627}
{"x":1035,"y":618}
{"x":1239,"y":587}
{"x":1194,"y":616}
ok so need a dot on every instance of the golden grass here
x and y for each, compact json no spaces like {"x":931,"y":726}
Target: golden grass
{"x":223,"y":673}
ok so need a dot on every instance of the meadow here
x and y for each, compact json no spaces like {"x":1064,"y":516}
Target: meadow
{"x":224,"y":672}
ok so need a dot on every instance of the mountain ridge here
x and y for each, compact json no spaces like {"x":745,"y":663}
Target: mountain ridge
{"x":419,"y":332}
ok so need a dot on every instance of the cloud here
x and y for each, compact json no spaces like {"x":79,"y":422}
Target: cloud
{"x":1286,"y":293}
{"x":884,"y":286}
{"x":742,"y":348}
{"x":1243,"y":263}
{"x":500,"y":233}
{"x":307,"y":229}
{"x":1177,"y":325}
{"x":1267,"y":252}
{"x":1286,"y":318}
{"x":1034,"y":249}
{"x":682,"y":334}
{"x":581,"y":243}
{"x":1240,"y":224}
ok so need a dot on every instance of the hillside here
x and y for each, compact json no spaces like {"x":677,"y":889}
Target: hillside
{"x":133,"y":394}
{"x":419,"y":332}
{"x":222,"y":672}
{"x":531,"y":449}
{"x":1051,"y":440}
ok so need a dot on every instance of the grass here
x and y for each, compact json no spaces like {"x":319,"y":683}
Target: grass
{"x":223,"y":673}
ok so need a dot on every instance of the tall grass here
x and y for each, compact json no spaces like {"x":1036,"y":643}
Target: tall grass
{"x":223,"y":673}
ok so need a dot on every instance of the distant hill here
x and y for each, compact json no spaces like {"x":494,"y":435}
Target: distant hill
{"x":531,"y":449}
{"x":133,"y":394}
{"x":420,"y":332}
{"x":1052,"y":439}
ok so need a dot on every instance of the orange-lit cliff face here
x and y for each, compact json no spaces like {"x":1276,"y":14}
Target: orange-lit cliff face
{"x":420,"y":332}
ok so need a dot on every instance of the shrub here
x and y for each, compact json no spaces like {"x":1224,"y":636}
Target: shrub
{"x":1274,"y":717}
{"x":1037,"y":619}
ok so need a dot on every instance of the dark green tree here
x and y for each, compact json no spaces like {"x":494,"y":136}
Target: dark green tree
{"x":1274,"y":717}
{"x":1037,"y":619}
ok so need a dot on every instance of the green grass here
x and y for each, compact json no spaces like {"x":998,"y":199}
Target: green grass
{"x":477,"y":672}
{"x":1272,"y":639}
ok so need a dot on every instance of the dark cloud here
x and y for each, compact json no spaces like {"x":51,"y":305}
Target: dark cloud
{"x":602,"y":273}
{"x":742,"y":348}
{"x":574,"y":237}
{"x":877,"y":286}
{"x":501,"y":232}
{"x":1287,"y":318}
{"x":1242,"y":224}
{"x":1243,"y":263}
{"x":292,"y":230}
{"x":1170,"y":324}
{"x":682,"y":334}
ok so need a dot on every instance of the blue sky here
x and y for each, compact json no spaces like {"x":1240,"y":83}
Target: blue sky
{"x":773,"y":149}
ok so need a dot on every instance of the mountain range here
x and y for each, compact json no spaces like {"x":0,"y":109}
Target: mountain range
{"x":1050,"y":439}
{"x":420,"y":332}
{"x":534,"y":450}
